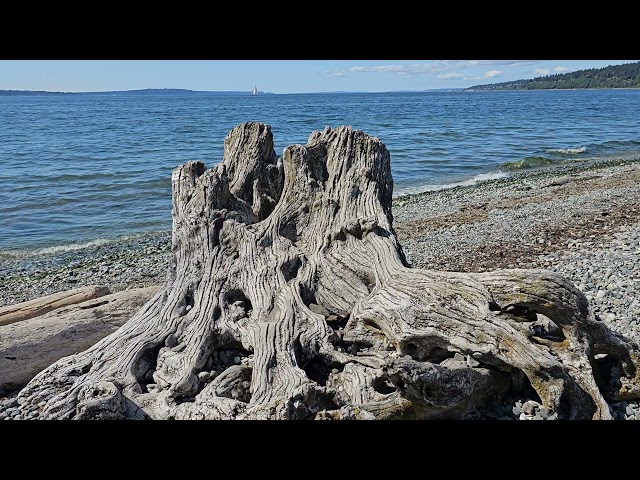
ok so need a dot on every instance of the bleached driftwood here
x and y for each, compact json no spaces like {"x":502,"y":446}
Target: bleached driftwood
{"x":39,"y":306}
{"x":290,"y":298}
{"x":31,"y":345}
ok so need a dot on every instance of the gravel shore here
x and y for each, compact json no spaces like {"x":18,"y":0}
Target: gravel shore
{"x":582,"y":221}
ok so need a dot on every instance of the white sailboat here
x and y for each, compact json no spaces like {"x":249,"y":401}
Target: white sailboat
{"x":255,"y":91}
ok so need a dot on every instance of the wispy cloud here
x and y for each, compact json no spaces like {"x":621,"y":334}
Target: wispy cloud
{"x":335,"y":74}
{"x":410,"y":70}
{"x":542,"y":71}
{"x":502,"y":63}
{"x":444,"y":69}
{"x":382,"y":68}
{"x":561,"y":69}
{"x":493,"y":73}
{"x":450,"y":75}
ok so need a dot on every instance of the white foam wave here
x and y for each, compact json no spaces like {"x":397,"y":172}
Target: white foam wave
{"x":567,"y":151}
{"x":465,"y":183}
{"x":71,"y":246}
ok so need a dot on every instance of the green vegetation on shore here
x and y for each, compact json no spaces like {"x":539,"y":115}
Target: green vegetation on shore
{"x":614,"y":76}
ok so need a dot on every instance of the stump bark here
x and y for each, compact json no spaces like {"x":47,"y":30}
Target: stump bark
{"x":289,"y":297}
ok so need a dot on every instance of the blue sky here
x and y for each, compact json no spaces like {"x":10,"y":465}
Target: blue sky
{"x":277,"y":76}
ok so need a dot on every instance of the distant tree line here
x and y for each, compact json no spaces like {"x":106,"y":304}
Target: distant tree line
{"x":613,"y":76}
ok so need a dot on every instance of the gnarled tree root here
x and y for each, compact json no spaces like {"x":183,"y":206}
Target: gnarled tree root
{"x":289,"y":297}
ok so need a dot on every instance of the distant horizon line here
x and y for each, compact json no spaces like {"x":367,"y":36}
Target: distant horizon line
{"x":247,"y":92}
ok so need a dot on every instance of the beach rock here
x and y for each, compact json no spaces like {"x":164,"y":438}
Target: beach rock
{"x":319,"y":309}
{"x":29,"y":346}
{"x":560,"y":181}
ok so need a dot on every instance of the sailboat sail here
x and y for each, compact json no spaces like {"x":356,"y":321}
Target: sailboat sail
{"x":255,"y":90}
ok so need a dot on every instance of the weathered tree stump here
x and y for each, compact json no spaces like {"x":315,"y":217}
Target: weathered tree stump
{"x":289,"y":297}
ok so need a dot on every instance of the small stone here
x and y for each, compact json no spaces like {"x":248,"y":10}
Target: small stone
{"x":600,"y":295}
{"x":319,"y":309}
{"x":544,"y":412}
{"x":530,"y":407}
{"x":15,"y":413}
{"x":537,"y":417}
{"x":223,"y":356}
{"x":459,"y":357}
{"x":203,"y":376}
{"x":516,"y":410}
{"x":472,"y":362}
{"x":629,"y":410}
{"x":237,"y":360}
{"x":523,"y":416}
{"x":611,"y":317}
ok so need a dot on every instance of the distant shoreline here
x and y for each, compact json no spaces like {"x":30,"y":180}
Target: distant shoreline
{"x":242,"y":93}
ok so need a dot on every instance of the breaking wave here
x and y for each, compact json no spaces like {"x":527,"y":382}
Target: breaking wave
{"x":567,"y":151}
{"x":464,"y":183}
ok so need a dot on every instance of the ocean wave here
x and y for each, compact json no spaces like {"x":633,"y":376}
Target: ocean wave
{"x":464,"y":183}
{"x":71,"y":246}
{"x":567,"y":151}
{"x":527,"y":162}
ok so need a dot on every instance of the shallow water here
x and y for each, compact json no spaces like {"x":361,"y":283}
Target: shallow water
{"x":80,"y":168}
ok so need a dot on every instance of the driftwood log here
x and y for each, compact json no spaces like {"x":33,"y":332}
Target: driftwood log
{"x":289,"y":297}
{"x":39,"y":306}
{"x":30,"y":345}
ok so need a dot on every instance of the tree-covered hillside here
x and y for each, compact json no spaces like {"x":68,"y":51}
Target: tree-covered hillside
{"x":614,"y":76}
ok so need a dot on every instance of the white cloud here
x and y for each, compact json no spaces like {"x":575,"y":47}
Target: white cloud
{"x":561,"y":69}
{"x":443,"y":69}
{"x":381,"y":68}
{"x":335,"y":74}
{"x":416,"y":69}
{"x":502,"y":63}
{"x":450,"y":75}
{"x":542,"y":71}
{"x":493,"y":73}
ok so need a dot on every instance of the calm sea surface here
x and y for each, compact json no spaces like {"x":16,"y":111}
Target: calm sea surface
{"x":80,"y":168}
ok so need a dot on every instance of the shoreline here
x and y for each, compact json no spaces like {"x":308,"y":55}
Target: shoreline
{"x":142,"y":260}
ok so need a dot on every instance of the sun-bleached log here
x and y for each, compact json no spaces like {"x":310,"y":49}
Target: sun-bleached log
{"x":39,"y":306}
{"x":29,"y":346}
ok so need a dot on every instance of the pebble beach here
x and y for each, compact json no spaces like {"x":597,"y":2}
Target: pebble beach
{"x":580,"y":220}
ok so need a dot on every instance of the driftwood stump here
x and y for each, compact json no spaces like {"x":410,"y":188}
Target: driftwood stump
{"x":289,"y":297}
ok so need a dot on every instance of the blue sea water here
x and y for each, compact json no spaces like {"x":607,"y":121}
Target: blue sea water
{"x":79,"y":168}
